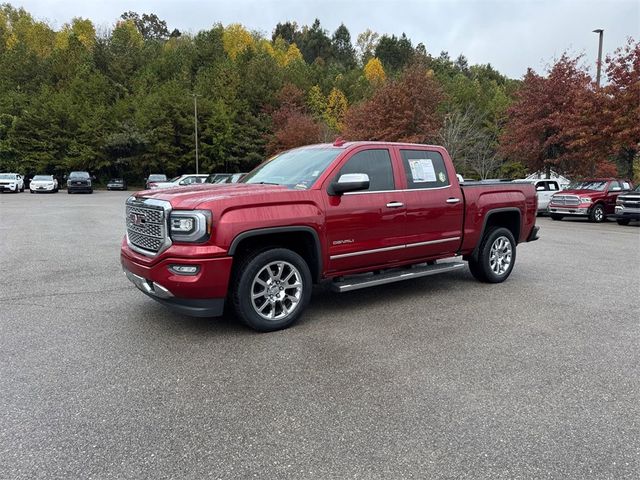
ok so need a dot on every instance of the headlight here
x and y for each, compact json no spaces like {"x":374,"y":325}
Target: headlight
{"x":585,"y":200}
{"x":190,"y":226}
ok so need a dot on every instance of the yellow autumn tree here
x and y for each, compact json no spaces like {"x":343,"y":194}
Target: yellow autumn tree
{"x":293,"y":54}
{"x":337,"y":106}
{"x":317,"y":102}
{"x":236,"y":39}
{"x":82,"y":29}
{"x":374,"y":72}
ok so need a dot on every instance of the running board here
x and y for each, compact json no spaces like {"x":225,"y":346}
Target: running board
{"x":355,"y":283}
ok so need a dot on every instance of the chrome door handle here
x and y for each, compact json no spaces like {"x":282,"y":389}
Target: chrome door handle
{"x":453,"y":200}
{"x":395,"y":204}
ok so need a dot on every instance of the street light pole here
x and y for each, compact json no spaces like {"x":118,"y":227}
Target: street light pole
{"x":600,"y":32}
{"x":195,"y":116}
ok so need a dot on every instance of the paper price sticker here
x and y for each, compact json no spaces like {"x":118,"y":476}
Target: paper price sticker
{"x":422,"y":170}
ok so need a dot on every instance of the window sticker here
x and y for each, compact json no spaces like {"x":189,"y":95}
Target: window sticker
{"x":442,"y":177}
{"x":422,"y":170}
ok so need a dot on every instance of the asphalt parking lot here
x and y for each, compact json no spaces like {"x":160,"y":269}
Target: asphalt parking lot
{"x":442,"y":377}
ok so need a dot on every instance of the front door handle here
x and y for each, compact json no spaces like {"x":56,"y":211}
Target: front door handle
{"x":453,"y":200}
{"x":395,"y":204}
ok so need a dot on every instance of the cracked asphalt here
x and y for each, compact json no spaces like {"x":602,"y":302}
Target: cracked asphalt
{"x":441,"y":377}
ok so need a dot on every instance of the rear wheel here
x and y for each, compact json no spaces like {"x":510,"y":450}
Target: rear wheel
{"x":271,"y":289}
{"x":496,"y":256}
{"x":597,"y":214}
{"x":623,"y":221}
{"x":555,"y":216}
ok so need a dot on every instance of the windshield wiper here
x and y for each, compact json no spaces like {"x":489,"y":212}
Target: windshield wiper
{"x":266,"y":183}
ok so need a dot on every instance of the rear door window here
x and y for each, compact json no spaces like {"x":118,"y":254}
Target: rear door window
{"x":424,"y":169}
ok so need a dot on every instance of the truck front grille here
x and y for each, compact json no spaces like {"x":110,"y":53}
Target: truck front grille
{"x":572,"y":200}
{"x":631,"y":202}
{"x":147,"y":225}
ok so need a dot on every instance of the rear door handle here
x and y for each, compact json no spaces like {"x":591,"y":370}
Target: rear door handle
{"x":453,"y":200}
{"x":395,"y":204}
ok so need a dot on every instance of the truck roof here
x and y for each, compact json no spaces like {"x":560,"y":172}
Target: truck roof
{"x":344,"y":145}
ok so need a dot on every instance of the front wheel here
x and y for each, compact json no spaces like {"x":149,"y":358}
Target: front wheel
{"x":271,"y":289}
{"x":623,"y":221}
{"x":496,"y":256}
{"x":597,"y":214}
{"x":555,"y":216}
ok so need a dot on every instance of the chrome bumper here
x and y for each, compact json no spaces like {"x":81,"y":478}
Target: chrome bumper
{"x":150,"y":288}
{"x":568,"y":210}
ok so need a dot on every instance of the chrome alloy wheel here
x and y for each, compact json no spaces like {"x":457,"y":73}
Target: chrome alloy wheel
{"x":276,"y":290}
{"x":500,"y":255}
{"x":598,"y":214}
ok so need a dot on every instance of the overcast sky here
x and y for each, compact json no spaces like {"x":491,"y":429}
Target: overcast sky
{"x":510,"y":34}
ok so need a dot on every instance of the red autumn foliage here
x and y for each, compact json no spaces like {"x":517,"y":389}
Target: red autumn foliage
{"x":535,"y":133}
{"x":565,"y":121}
{"x":404,"y":110}
{"x":293,"y":125}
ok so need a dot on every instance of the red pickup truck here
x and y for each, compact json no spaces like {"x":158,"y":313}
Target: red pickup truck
{"x":353,"y":215}
{"x":594,"y":198}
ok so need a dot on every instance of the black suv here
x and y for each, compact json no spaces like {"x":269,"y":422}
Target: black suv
{"x":79,"y":182}
{"x":628,"y":206}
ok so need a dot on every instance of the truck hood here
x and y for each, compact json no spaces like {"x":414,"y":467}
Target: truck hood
{"x":192,"y":197}
{"x":582,"y":193}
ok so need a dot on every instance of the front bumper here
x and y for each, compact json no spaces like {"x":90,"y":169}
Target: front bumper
{"x":199,"y":295}
{"x":623,"y":213}
{"x":566,"y":210}
{"x":42,"y":188}
{"x":80,"y":188}
{"x":9,"y":188}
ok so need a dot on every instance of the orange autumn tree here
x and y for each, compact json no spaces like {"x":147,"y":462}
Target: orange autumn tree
{"x":404,"y":110}
{"x":535,"y":133}
{"x":293,"y":125}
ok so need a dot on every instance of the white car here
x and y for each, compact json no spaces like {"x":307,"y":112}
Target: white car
{"x":545,"y":188}
{"x":182,"y":180}
{"x":11,"y":182}
{"x":43,"y":183}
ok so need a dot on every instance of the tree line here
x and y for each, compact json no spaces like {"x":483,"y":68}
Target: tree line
{"x":120,"y":102}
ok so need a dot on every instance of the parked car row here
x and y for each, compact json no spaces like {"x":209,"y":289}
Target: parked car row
{"x":157,"y":180}
{"x":597,"y":199}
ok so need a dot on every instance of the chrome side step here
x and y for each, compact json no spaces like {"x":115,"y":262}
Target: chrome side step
{"x":357,"y":282}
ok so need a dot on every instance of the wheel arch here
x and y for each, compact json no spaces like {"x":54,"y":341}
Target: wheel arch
{"x":302,"y":239}
{"x":507,"y":217}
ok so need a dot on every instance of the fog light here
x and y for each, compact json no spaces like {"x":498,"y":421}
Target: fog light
{"x":184,"y":269}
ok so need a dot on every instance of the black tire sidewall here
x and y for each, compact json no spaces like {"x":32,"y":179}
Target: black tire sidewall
{"x":241,"y":295}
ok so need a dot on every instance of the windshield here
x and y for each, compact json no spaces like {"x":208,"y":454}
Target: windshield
{"x":116,"y":180}
{"x":42,"y":178}
{"x":588,"y":185}
{"x":298,"y":168}
{"x":174,"y":179}
{"x":158,"y":178}
{"x":78,"y":175}
{"x":7,"y":176}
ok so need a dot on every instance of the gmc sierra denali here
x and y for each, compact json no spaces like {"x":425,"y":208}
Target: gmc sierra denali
{"x":352,"y":214}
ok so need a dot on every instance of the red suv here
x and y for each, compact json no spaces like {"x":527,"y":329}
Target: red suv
{"x":595,"y":199}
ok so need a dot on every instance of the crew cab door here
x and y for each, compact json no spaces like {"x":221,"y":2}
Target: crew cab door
{"x":365,"y":228}
{"x":435,"y":205}
{"x":613,"y":190}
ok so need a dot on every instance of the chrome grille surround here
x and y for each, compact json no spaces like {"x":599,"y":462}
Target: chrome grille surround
{"x":572,"y":200}
{"x":147,"y":221}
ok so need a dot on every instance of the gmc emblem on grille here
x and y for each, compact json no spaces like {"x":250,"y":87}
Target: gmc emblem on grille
{"x":137,"y":219}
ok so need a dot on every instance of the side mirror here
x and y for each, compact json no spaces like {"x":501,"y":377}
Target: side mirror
{"x":349,"y":182}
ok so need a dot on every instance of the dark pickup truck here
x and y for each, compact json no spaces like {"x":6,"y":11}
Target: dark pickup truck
{"x":353,"y":215}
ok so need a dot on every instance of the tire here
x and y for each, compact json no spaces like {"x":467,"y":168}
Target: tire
{"x":265,"y":269}
{"x":623,"y":221}
{"x":555,"y":216}
{"x":31,"y":191}
{"x":22,"y":189}
{"x":597,"y":214}
{"x":69,"y":191}
{"x":496,"y":256}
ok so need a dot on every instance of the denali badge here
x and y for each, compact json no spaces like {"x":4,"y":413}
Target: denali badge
{"x":137,"y":219}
